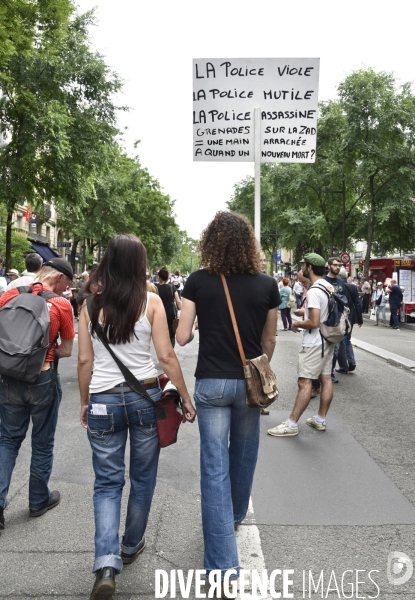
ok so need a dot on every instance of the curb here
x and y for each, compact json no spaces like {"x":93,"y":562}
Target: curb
{"x":391,"y":358}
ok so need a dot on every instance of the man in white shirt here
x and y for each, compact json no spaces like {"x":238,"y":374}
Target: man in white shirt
{"x":299,"y":292}
{"x":311,"y":363}
{"x":34,"y":264}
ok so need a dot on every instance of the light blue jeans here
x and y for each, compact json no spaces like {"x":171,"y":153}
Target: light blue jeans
{"x":229,"y":440}
{"x":21,"y":402}
{"x":381,"y":313}
{"x":108,"y":427}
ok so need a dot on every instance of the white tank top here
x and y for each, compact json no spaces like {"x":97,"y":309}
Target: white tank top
{"x":135,"y":355}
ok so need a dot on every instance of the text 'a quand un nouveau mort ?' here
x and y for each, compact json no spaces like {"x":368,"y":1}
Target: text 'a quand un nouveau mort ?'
{"x":227,"y":91}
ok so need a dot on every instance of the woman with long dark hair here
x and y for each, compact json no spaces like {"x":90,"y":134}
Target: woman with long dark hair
{"x":171,"y":301}
{"x":229,"y":428}
{"x":130,"y":317}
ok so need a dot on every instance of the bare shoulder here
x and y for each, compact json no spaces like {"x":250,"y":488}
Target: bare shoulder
{"x":154,"y":304}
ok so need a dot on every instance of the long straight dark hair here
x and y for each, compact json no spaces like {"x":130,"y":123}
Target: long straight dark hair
{"x":120,"y":280}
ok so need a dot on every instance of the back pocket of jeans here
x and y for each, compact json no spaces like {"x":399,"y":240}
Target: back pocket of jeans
{"x":100,"y":427}
{"x":210,"y":389}
{"x":148,"y":422}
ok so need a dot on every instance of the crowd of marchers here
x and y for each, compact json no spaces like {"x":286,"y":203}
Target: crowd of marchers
{"x":122,"y":310}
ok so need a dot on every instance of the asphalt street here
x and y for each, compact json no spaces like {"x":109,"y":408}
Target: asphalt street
{"x":333,"y":505}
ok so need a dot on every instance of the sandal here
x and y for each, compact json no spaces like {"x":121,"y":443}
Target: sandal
{"x":264,"y":411}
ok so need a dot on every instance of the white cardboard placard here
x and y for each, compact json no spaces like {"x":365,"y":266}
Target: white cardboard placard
{"x":225,"y":93}
{"x":405,"y":280}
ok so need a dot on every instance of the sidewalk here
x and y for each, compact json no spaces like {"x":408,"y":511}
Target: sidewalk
{"x":395,"y":347}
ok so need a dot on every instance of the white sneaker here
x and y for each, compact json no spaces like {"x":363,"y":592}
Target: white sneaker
{"x":283,"y":430}
{"x":313,"y":423}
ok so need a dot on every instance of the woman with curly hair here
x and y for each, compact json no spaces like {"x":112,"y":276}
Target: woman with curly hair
{"x":229,"y":429}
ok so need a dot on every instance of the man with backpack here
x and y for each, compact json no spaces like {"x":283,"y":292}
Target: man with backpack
{"x":316,"y":354}
{"x":346,"y":357}
{"x":29,"y":382}
{"x":351,"y":298}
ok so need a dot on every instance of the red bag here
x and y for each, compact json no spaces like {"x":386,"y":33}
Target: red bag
{"x":168,"y":428}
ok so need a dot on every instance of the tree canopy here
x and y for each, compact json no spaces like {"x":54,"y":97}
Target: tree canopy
{"x":59,"y":140}
{"x":365,"y":155}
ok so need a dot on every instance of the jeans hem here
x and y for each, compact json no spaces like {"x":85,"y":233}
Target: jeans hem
{"x":43,"y":505}
{"x":129,"y":549}
{"x":109,"y":560}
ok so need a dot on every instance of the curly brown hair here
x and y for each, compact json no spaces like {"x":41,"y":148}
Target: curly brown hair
{"x":228,"y":245}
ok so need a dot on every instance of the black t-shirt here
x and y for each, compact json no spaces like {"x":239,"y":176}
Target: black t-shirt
{"x":252,"y":297}
{"x":395,"y":296}
{"x":166,"y":293}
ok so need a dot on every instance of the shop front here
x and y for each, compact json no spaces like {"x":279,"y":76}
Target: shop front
{"x":403,"y":270}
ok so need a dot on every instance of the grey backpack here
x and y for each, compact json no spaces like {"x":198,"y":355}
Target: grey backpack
{"x":24,"y":334}
{"x":337,"y":325}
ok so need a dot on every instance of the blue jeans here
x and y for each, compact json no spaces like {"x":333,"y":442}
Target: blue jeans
{"x":381,"y":313}
{"x":19,"y":402}
{"x":394,"y":314}
{"x":110,"y":418}
{"x":229,"y":440}
{"x":299,"y":299}
{"x":335,"y":356}
{"x":346,"y":354}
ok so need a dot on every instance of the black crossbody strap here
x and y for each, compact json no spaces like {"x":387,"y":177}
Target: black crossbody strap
{"x":174,"y":301}
{"x":128,"y":376}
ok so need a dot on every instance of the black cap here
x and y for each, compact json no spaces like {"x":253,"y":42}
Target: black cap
{"x":61,"y":265}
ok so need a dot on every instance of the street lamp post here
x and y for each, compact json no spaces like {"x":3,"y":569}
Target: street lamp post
{"x":344,"y":209}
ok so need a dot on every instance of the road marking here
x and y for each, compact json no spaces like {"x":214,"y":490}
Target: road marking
{"x":250,"y":549}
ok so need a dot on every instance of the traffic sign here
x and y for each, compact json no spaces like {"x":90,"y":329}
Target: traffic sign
{"x":345,"y":257}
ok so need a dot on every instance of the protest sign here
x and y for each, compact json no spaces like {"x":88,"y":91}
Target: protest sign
{"x":227,"y":91}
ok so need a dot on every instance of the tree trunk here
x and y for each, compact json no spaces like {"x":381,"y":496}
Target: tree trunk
{"x":331,"y":244}
{"x":73,"y":254}
{"x":371,"y":226}
{"x":8,"y":263}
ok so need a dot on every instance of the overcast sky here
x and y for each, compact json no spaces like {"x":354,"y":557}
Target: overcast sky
{"x":151,"y":45}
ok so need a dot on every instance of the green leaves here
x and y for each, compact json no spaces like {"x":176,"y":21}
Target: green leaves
{"x":58,"y":124}
{"x":366,"y":138}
